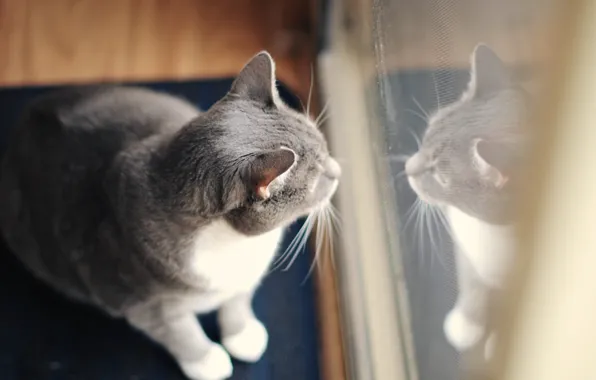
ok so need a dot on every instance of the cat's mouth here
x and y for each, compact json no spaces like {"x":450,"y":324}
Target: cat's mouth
{"x":421,"y":194}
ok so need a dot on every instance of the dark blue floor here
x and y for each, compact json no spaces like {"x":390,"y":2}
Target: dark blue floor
{"x":43,"y":336}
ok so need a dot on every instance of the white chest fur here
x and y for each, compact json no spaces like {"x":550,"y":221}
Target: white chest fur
{"x":489,"y":248}
{"x":230,"y":263}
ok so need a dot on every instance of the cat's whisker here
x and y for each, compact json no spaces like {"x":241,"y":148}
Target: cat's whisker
{"x":436,"y":87}
{"x":325,"y":232}
{"x":322,"y":114}
{"x":292,"y":246}
{"x":328,"y":223}
{"x":334,"y":226}
{"x":319,"y":240}
{"x":320,"y":122}
{"x":302,"y":105}
{"x":310,"y":222}
{"x":312,"y":82}
{"x":334,"y":218}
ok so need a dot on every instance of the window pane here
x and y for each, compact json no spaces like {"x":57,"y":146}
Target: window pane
{"x":452,"y":85}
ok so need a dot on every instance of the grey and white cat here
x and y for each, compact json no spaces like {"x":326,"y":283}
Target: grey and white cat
{"x":466,"y":166}
{"x":137,"y":203}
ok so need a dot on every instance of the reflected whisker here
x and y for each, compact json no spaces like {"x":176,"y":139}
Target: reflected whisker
{"x":435,"y":229}
{"x":400,"y":175}
{"x":412,"y":211}
{"x":427,"y":116}
{"x":419,"y":232}
{"x":416,"y":138}
{"x":398,"y":157}
{"x":415,"y":113}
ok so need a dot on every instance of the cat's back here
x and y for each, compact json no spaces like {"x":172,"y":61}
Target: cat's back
{"x":52,"y":174}
{"x":132,"y":112}
{"x":66,"y":140}
{"x":90,"y":125}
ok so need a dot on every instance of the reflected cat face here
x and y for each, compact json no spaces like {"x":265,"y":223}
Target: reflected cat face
{"x":471,"y":147}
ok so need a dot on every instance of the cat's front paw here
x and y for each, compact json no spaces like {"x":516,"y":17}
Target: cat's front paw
{"x":215,"y":365}
{"x":249,"y":344}
{"x":460,"y":331}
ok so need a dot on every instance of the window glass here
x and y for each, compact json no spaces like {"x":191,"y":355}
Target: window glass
{"x":453,"y":85}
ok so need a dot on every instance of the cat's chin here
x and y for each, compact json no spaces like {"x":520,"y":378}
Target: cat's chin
{"x":420,"y":194}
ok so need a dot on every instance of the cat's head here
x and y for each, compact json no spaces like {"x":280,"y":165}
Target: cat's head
{"x":469,"y":152}
{"x":262,"y":163}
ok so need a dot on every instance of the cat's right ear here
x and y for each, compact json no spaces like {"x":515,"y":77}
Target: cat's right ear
{"x":266,"y":167}
{"x":489,"y":74}
{"x":256,"y":80}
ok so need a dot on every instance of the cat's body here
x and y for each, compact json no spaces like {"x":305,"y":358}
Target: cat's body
{"x":88,"y":216}
{"x":467,"y":166}
{"x":139,"y":204}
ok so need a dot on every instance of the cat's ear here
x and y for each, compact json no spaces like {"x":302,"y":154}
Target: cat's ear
{"x":256,"y":80}
{"x":489,"y":74}
{"x":264,"y":168}
{"x":493,"y":161}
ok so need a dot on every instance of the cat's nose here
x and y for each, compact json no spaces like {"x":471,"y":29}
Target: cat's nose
{"x":332,"y":169}
{"x":415,"y":165}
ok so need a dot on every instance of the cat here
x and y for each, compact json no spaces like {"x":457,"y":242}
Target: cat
{"x":466,"y":166}
{"x":136,"y":202}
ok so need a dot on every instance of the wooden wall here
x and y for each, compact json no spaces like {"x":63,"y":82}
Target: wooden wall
{"x":66,"y":41}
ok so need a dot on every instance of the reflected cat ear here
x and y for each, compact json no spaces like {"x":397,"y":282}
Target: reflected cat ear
{"x":489,"y":74}
{"x":266,"y":167}
{"x":493,"y":161}
{"x":256,"y":80}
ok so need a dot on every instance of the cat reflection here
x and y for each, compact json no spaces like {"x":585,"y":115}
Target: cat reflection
{"x":466,"y":166}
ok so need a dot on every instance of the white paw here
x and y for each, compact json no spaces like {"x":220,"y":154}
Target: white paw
{"x":249,"y":344}
{"x":461,"y":332}
{"x":215,"y":365}
{"x":490,"y":346}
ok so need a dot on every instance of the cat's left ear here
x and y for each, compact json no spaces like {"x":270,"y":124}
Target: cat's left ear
{"x":256,"y":80}
{"x":489,"y":74}
{"x":266,"y":167}
{"x":492,"y":160}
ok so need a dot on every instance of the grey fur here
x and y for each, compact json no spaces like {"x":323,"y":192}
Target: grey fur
{"x":103,"y":188}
